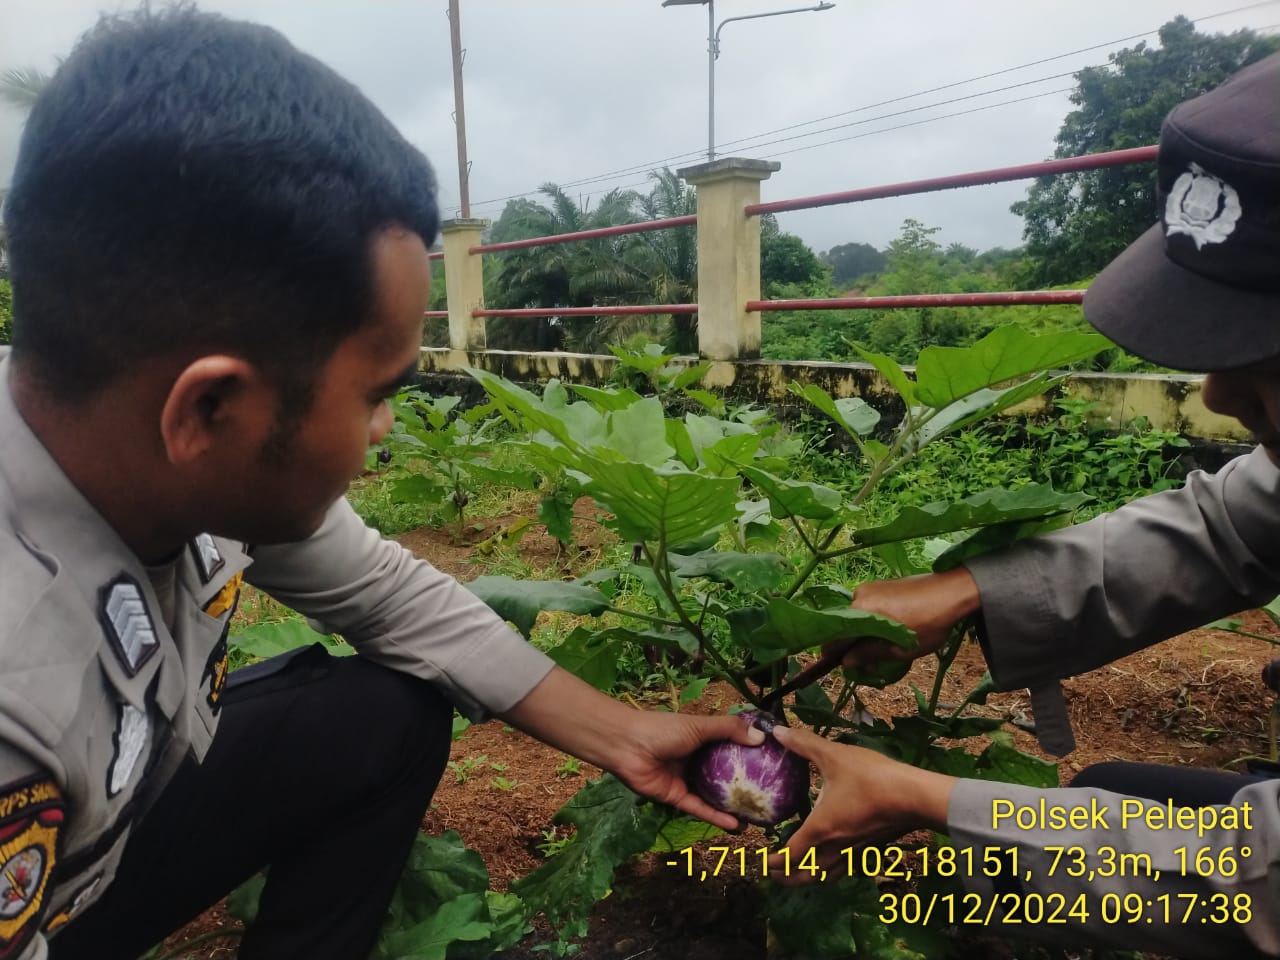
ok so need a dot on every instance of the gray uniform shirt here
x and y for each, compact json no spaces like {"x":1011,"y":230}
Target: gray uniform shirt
{"x":103,"y":693}
{"x":1068,"y":602}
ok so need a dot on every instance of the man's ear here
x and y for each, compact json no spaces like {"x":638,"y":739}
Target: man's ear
{"x":209,"y":398}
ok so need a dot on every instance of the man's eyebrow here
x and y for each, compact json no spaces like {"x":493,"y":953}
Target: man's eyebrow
{"x":404,"y":378}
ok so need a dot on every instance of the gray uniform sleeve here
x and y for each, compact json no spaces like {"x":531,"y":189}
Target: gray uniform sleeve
{"x":1173,"y":897}
{"x":1062,"y":604}
{"x":1070,"y":601}
{"x":402,"y":612}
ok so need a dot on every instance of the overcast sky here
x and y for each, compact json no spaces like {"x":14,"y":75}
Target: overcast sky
{"x":568,"y":90}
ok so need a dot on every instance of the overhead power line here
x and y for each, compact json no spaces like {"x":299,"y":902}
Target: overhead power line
{"x":629,"y":171}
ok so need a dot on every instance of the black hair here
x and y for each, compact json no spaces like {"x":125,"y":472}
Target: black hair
{"x":189,"y":182}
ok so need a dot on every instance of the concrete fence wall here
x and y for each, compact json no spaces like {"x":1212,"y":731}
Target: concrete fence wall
{"x":1169,"y":402}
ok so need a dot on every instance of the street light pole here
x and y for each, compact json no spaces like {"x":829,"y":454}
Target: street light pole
{"x":713,"y":51}
{"x":713,"y":54}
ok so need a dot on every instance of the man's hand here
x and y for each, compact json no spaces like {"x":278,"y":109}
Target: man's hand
{"x":930,"y":604}
{"x":646,"y":750}
{"x":865,"y":798}
{"x":653,"y":761}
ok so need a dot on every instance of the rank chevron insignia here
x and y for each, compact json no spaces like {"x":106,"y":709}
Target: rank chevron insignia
{"x":208,"y":559}
{"x":128,"y":623}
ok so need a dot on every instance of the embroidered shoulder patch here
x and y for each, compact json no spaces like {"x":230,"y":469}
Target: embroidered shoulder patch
{"x":31,"y":814}
{"x":128,"y":624}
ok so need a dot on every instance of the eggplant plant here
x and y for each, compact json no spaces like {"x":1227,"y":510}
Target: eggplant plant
{"x":705,"y":500}
{"x":436,"y":453}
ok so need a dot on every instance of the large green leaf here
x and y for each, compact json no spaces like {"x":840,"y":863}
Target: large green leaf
{"x":556,"y":511}
{"x":945,"y":374}
{"x":613,"y":825}
{"x":639,"y":432}
{"x":890,"y":370}
{"x":613,"y":399}
{"x":995,"y":537}
{"x":789,"y":628}
{"x":720,"y":444}
{"x":683,"y":831}
{"x":723,"y":456}
{"x":839,"y":918}
{"x":464,"y":918}
{"x":588,"y":654}
{"x":520,"y":601}
{"x":443,"y":899}
{"x":979,"y":405}
{"x":854,"y":414}
{"x":747,"y":572}
{"x":796,"y":498}
{"x":270,"y":639}
{"x":652,"y":503}
{"x":1031,"y":502}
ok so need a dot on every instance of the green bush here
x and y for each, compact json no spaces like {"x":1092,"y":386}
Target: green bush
{"x":6,"y":311}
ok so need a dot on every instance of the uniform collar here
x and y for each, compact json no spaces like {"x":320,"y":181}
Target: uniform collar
{"x":53,"y":515}
{"x":45,"y":506}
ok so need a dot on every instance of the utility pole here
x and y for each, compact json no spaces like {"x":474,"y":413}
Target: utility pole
{"x":459,"y":113}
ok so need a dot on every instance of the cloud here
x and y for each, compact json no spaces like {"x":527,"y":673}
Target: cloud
{"x":563,"y":90}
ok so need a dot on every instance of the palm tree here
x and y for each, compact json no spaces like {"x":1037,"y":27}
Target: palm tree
{"x":583,"y":274}
{"x":655,"y":267}
{"x":21,"y":85}
{"x":665,"y":262}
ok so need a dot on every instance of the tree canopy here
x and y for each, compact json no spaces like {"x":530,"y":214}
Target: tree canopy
{"x":850,"y":261}
{"x":1074,"y":224}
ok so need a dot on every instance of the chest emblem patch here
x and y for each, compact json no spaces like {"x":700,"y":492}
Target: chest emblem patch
{"x":208,"y":560}
{"x":131,"y":736}
{"x":128,"y":624}
{"x":31,"y":814}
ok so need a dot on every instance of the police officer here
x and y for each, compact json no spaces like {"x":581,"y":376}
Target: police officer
{"x":1199,"y":291}
{"x":218,"y":251}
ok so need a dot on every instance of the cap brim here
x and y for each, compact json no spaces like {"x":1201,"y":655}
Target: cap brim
{"x":1175,"y":318}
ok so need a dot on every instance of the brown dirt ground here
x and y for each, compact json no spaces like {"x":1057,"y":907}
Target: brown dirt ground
{"x":1194,"y":700}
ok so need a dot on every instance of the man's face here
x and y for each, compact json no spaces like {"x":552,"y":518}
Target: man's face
{"x":292,"y":488}
{"x":1251,"y":395}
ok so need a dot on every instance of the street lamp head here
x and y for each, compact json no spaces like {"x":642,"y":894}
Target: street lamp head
{"x":685,"y":3}
{"x":818,"y":9}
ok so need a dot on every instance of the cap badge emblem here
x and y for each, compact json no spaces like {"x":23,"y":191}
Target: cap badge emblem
{"x":1203,"y":207}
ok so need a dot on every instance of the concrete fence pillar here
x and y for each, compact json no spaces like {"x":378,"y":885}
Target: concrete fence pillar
{"x":728,"y":255}
{"x":464,"y":282}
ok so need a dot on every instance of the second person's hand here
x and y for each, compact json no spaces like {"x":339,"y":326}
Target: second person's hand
{"x":930,"y":604}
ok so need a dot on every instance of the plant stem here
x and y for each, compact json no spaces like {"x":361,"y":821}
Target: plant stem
{"x":658,"y":564}
{"x":946,"y":656}
{"x":819,"y":555}
{"x":842,"y":701}
{"x":795,"y":522}
{"x":648,"y":618}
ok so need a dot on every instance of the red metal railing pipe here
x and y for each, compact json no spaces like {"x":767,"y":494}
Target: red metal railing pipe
{"x":1093,"y":161}
{"x":435,"y":314}
{"x":590,"y":311}
{"x":1004,"y":299}
{"x":435,"y":255}
{"x":643,"y":227}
